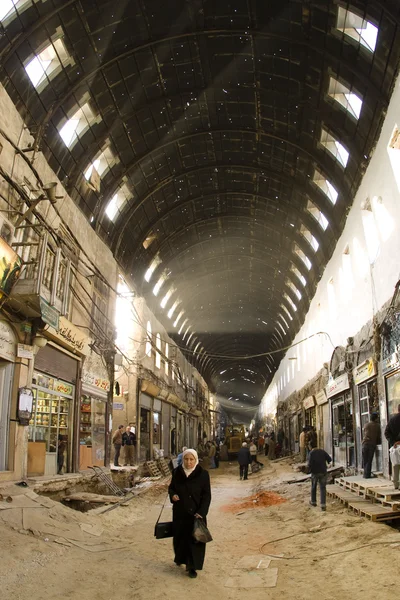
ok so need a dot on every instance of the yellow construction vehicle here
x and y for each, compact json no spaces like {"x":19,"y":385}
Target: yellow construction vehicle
{"x":235,"y":435}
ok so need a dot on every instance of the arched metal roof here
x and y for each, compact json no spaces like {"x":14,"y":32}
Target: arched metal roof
{"x":216,"y":117}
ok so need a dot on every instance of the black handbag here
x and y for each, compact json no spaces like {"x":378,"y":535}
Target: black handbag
{"x":165,"y":529}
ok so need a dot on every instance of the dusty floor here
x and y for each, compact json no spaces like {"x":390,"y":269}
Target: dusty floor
{"x":300,"y":551}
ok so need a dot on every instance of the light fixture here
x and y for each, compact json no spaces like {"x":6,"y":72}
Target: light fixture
{"x":50,"y":191}
{"x":39,"y":341}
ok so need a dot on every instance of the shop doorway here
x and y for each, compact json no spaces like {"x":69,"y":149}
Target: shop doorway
{"x":343,"y":431}
{"x":6,"y":373}
{"x":144,"y":434}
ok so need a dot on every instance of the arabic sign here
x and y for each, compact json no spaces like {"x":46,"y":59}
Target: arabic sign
{"x":24,"y":351}
{"x":50,"y":315}
{"x":10,"y":268}
{"x":337,"y":385}
{"x":7,"y":341}
{"x":309,"y":402}
{"x":364,"y":371}
{"x":390,"y":363}
{"x":90,"y":379}
{"x":320,"y":397}
{"x":70,"y":336}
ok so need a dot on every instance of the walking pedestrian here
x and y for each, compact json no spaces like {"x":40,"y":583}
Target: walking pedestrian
{"x":302,"y":445}
{"x":117,"y":441}
{"x":244,"y":460}
{"x":272,"y":447}
{"x":211,"y":454}
{"x":217,"y":454}
{"x":190,"y":494}
{"x":129,"y":443}
{"x":371,"y":438}
{"x":317,"y":461}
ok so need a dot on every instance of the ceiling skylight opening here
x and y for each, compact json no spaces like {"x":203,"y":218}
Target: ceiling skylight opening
{"x":318,"y":215}
{"x":178,"y":318}
{"x":185,"y":334}
{"x":182,"y":326}
{"x":101,"y":164}
{"x":48,"y":63}
{"x":357,"y":28}
{"x":309,"y":237}
{"x":299,"y":276}
{"x":344,"y":96}
{"x":282,"y":328}
{"x":167,"y":296}
{"x":189,"y":338}
{"x":290,"y":301}
{"x":303,"y":257}
{"x":325,"y":186}
{"x":284,"y":320}
{"x":160,"y":283}
{"x":77,"y":125}
{"x":334,"y":147}
{"x":285,"y":308}
{"x":171,"y":311}
{"x":9,"y":8}
{"x":117,"y":202}
{"x":294,"y":288}
{"x":154,"y":264}
{"x":195,"y":348}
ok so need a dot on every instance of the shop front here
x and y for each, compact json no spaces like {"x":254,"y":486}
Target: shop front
{"x":93,"y":419}
{"x":391,"y":372}
{"x":145,"y":424}
{"x":322,"y":420}
{"x":342,"y":420}
{"x":310,"y":412}
{"x":364,"y":377}
{"x":8,"y":346}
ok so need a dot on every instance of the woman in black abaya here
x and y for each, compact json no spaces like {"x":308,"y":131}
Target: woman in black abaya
{"x":190,"y":494}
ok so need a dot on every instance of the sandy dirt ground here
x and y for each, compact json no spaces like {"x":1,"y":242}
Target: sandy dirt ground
{"x":284,"y":551}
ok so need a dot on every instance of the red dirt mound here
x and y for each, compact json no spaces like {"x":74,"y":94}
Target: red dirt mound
{"x":260,"y":500}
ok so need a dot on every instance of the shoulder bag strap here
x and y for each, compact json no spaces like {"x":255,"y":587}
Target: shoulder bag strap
{"x":162,"y":508}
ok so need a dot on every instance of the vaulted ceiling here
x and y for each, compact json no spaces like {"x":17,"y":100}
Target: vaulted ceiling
{"x":224,"y":127}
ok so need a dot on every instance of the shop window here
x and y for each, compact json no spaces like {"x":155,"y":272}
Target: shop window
{"x":77,"y":125}
{"x":156,"y":427}
{"x":342,"y":431}
{"x":368,"y":402}
{"x":326,"y":186}
{"x":99,"y":312}
{"x":118,"y":201}
{"x":344,"y":96}
{"x":357,"y":28}
{"x":149,"y":339}
{"x":154,"y":264}
{"x":48,"y":63}
{"x":158,"y":348}
{"x":336,"y":149}
{"x":393,"y":393}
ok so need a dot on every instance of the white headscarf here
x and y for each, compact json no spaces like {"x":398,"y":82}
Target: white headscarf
{"x":194,"y":453}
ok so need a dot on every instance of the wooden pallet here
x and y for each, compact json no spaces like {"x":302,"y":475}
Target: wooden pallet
{"x":163,"y":466}
{"x":364,"y":486}
{"x":344,"y":496}
{"x":143,"y":479}
{"x":374,"y":512}
{"x":385,"y":493}
{"x":153,"y":468}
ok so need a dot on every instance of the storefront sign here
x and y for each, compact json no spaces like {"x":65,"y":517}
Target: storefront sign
{"x":25,"y":403}
{"x":309,"y":402}
{"x":8,"y":345}
{"x":98,"y":382}
{"x":364,"y":371}
{"x":337,"y":385}
{"x":320,"y":397}
{"x":50,"y":315}
{"x":118,"y":406}
{"x":24,"y":351}
{"x":63,"y":387}
{"x":390,"y":363}
{"x":70,"y":336}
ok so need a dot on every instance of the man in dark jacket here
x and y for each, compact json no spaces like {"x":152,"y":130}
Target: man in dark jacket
{"x":129,"y":443}
{"x":392,"y":431}
{"x":317,"y":460}
{"x":372,"y":437}
{"x":117,"y":441}
{"x":244,"y":460}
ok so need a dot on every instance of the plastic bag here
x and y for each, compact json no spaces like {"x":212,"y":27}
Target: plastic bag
{"x":200,"y":532}
{"x":394,"y":454}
